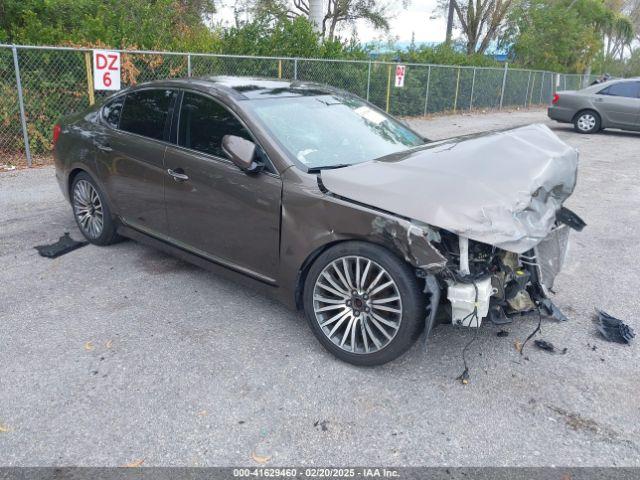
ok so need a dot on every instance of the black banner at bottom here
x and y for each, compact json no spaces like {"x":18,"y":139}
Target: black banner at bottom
{"x":399,"y":473}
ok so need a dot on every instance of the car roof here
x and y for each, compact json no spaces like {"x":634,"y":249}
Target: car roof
{"x":599,"y":86}
{"x":245,"y":88}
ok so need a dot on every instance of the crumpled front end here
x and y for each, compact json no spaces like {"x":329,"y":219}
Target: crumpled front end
{"x":491,"y":204}
{"x":483,"y":281}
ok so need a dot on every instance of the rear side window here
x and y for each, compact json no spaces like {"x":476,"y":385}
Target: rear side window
{"x":145,"y":112}
{"x":203,"y":123}
{"x":112,"y":110}
{"x":623,"y":89}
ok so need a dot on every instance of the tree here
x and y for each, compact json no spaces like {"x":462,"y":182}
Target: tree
{"x":620,"y":31}
{"x":337,"y":13}
{"x":560,"y":35}
{"x":481,"y":21}
{"x":618,"y":34}
{"x":167,"y":24}
{"x":315,"y":15}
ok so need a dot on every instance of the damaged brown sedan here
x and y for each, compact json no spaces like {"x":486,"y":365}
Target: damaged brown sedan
{"x":328,"y":204}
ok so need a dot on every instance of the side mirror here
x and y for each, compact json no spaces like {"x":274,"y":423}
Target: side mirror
{"x":241,"y":152}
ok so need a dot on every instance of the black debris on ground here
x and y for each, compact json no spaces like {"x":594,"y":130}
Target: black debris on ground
{"x":544,"y":345}
{"x":502,"y":333}
{"x":64,"y":245}
{"x":322,"y":424}
{"x":613,"y":329}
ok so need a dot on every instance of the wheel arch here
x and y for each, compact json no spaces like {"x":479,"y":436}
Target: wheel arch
{"x":73,"y":173}
{"x":78,"y":168}
{"x":303,"y":271}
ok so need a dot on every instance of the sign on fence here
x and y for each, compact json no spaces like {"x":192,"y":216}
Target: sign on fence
{"x":400,"y":71}
{"x":106,"y":70}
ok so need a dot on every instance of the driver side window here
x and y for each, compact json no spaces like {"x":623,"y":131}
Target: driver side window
{"x":203,"y":122}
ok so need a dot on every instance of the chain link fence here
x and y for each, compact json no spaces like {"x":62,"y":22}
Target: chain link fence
{"x":38,"y":85}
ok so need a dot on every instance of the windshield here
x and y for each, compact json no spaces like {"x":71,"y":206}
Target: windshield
{"x":330,"y":130}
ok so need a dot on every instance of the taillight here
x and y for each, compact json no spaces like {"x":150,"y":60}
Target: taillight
{"x":56,"y":133}
{"x":556,"y":99}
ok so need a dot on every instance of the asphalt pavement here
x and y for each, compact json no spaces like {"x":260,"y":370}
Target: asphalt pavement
{"x":123,"y":355}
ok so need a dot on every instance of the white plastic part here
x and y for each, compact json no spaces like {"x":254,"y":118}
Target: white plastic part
{"x":463,"y":243}
{"x":462,"y":297}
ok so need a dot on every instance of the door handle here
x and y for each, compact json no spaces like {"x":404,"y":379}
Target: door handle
{"x":178,"y":175}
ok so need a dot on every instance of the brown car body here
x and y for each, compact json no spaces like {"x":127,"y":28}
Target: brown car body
{"x":263,"y":229}
{"x":477,"y":220}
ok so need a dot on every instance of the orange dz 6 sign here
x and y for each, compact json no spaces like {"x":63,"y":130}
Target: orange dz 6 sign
{"x":106,"y":70}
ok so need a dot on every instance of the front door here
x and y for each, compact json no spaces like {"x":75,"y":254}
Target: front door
{"x":620,"y":104}
{"x":215,"y":209}
{"x":131,"y":159}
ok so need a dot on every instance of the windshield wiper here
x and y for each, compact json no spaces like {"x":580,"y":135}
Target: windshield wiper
{"x":329,"y":167}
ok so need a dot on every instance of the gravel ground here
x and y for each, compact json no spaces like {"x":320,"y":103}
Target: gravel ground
{"x":111,"y":356}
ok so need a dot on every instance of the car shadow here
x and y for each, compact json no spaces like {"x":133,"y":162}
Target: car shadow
{"x":565,"y":127}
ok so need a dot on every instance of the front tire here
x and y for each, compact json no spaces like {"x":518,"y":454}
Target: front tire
{"x":363,"y":303}
{"x":91,"y":211}
{"x":587,"y":121}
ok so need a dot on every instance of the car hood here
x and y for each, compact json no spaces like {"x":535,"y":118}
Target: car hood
{"x":502,"y":188}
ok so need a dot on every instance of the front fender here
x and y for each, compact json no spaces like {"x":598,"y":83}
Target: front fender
{"x":312,"y":220}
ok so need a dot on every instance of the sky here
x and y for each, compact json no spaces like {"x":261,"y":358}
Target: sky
{"x":415,"y":18}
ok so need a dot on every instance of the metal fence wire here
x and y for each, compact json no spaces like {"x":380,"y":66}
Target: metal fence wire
{"x":38,"y":85}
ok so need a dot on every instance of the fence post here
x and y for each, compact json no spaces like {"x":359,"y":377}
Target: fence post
{"x":473,"y":87}
{"x":533,"y":85}
{"x":89,"y":68}
{"x":368,"y":80}
{"x":455,"y":100}
{"x":188,"y":64}
{"x":295,"y":69}
{"x":526,"y":93}
{"x":541,"y":87}
{"x":23,"y":119}
{"x":504,"y":81}
{"x":388,"y":88}
{"x":426,"y":97}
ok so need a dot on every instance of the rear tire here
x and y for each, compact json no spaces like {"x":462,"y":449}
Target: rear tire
{"x":356,"y":318}
{"x":587,"y":121}
{"x":91,"y":211}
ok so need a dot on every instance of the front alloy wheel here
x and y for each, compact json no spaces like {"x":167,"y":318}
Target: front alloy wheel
{"x":363,"y":303}
{"x":357,"y":304}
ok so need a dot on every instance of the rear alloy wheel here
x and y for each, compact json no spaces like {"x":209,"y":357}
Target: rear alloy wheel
{"x":363,"y":303}
{"x":91,"y":211}
{"x":587,"y":122}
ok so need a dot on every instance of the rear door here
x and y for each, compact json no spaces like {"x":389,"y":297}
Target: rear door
{"x":131,"y":158}
{"x":619,"y":104}
{"x":215,"y":209}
